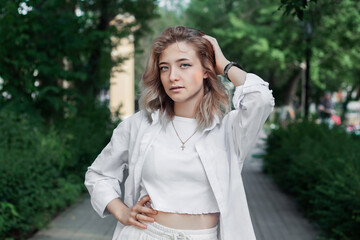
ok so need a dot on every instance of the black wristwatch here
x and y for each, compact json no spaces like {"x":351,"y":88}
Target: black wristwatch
{"x":228,"y":66}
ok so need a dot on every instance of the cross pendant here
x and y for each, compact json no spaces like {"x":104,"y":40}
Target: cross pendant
{"x":182,"y":147}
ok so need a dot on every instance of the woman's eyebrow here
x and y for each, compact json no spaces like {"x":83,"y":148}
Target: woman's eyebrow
{"x":182,"y":59}
{"x":178,"y":60}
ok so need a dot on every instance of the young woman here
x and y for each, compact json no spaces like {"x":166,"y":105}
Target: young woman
{"x":183,"y":150}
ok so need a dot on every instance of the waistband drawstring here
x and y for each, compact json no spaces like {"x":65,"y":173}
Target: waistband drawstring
{"x":178,"y":236}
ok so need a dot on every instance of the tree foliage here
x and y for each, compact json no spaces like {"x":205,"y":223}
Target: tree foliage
{"x":55,"y":58}
{"x":56,"y":54}
{"x":295,"y":7}
{"x":260,"y":37}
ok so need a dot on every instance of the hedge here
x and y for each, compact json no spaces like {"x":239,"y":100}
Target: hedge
{"x":321,"y":168}
{"x":42,"y":167}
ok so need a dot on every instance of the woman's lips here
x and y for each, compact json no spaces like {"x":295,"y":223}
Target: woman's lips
{"x":176,"y":89}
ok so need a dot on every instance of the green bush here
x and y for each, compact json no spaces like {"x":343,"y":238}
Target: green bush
{"x":85,"y":135}
{"x":321,"y":168}
{"x":30,"y":169}
{"x":42,"y":167}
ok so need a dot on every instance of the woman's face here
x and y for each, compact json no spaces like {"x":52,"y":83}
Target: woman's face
{"x":181,"y":73}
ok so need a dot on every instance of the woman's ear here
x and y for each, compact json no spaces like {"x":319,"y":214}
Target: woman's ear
{"x":206,"y":75}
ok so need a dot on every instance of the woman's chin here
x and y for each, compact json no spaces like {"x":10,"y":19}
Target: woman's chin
{"x":177,"y":99}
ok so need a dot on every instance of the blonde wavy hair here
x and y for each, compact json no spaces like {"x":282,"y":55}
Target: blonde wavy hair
{"x":153,"y":96}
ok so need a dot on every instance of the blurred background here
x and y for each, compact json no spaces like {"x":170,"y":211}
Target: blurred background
{"x":70,"y":71}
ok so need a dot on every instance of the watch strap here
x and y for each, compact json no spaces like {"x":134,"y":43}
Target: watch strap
{"x":228,"y":66}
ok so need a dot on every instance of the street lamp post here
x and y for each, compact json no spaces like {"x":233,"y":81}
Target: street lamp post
{"x":308,"y":35}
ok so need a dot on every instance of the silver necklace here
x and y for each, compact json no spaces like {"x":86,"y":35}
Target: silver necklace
{"x":177,"y":134}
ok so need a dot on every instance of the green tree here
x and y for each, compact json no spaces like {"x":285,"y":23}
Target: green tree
{"x":273,"y":45}
{"x":334,"y":43}
{"x":253,"y":34}
{"x":56,"y":54}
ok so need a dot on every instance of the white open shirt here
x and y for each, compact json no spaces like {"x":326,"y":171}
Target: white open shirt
{"x":222,"y":150}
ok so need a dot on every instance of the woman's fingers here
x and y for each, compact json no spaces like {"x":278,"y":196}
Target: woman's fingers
{"x":136,"y":215}
{"x":213,"y":42}
{"x":143,"y":200}
{"x":220,"y":59}
{"x":144,"y":210}
{"x":138,"y":224}
{"x":139,"y":211}
{"x":148,"y":204}
{"x":144,"y":218}
{"x":147,"y":210}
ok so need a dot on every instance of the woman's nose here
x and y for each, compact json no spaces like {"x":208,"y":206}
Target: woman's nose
{"x":174,"y":75}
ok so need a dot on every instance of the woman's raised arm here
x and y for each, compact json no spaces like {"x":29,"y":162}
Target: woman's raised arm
{"x":236,"y":75}
{"x":252,"y":100}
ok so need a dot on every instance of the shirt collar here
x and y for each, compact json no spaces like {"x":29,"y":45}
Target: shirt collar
{"x":213,"y":124}
{"x":155,"y":116}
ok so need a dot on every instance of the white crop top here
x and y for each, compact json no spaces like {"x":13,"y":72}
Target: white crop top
{"x":174,"y":178}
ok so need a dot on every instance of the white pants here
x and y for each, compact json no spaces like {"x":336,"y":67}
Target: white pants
{"x":156,"y":231}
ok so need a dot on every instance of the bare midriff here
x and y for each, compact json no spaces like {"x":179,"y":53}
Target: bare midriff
{"x":186,"y":221}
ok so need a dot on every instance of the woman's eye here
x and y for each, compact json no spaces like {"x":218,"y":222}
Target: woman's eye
{"x":185,"y":65}
{"x":162,"y":68}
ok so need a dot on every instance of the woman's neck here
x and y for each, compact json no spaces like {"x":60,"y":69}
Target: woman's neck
{"x":185,"y":110}
{"x":184,"y":113}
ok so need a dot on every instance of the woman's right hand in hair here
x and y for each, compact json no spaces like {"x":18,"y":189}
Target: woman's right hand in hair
{"x":135,"y":214}
{"x":220,"y":59}
{"x":235,"y":75}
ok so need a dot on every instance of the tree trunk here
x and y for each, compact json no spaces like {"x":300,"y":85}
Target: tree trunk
{"x":291,"y":86}
{"x":90,"y":87}
{"x":345,"y":103}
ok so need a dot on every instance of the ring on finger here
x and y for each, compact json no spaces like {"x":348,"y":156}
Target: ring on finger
{"x":136,"y":216}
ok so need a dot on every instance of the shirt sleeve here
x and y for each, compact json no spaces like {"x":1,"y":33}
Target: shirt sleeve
{"x":253,"y":103}
{"x":104,"y":176}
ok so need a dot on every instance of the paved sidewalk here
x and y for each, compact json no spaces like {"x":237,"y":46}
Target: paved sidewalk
{"x":273,"y":213}
{"x":79,"y":222}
